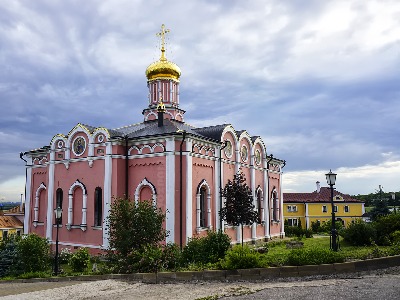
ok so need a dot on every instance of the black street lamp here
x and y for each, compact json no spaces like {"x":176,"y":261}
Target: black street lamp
{"x":331,"y":179}
{"x":58,"y":213}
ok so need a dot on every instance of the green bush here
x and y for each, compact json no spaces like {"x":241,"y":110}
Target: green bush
{"x":65,"y":256}
{"x":359,"y":233}
{"x":327,"y":226}
{"x":316,"y":227}
{"x":8,"y":256}
{"x":33,"y":254}
{"x":242,"y":258}
{"x":171,"y":257}
{"x":385,"y":227}
{"x":315,"y":256}
{"x":79,"y":260}
{"x":208,"y":249}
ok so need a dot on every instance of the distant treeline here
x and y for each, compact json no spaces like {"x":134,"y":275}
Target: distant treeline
{"x":8,"y":205}
{"x":370,"y":199}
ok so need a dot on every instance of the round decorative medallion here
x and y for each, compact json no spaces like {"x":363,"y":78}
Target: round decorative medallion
{"x":79,"y":146}
{"x":100,"y":138}
{"x":243,"y":153}
{"x":258,"y":157}
{"x":228,"y":148}
{"x":60,"y":144}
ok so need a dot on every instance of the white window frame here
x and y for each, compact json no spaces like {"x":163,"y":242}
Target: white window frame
{"x":293,"y":222}
{"x":335,"y":208}
{"x":346,"y":208}
{"x":324,"y":208}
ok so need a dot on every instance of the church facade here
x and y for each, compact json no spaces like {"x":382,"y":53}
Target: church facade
{"x":179,"y":167}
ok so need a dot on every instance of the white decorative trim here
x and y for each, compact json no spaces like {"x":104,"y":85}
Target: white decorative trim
{"x":152,"y":148}
{"x":189,"y":192}
{"x":84,"y":146}
{"x":50,"y":193}
{"x":266,"y":201}
{"x":202,"y":184}
{"x":170,"y":189}
{"x":41,"y":187}
{"x":28,"y":185}
{"x":217,"y":187}
{"x":145,"y":183}
{"x":107,"y":192}
{"x":75,"y":185}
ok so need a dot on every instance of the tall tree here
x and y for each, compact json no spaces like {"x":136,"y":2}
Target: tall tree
{"x":239,"y":206}
{"x":380,"y":208}
{"x":133,"y":225}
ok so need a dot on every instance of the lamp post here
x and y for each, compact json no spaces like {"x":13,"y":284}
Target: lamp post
{"x":331,"y":179}
{"x":58,"y":213}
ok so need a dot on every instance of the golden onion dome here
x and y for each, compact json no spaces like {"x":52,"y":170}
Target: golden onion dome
{"x":163,"y":69}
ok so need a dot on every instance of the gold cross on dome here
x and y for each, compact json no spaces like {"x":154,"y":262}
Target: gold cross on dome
{"x":162,"y":35}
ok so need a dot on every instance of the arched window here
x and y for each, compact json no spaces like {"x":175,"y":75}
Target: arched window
{"x":260,"y":206}
{"x":203,"y":205}
{"x":59,"y":201}
{"x":98,"y":206}
{"x":203,"y":213}
{"x":275,"y":206}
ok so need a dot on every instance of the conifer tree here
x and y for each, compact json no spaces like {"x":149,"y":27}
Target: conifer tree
{"x":239,"y":206}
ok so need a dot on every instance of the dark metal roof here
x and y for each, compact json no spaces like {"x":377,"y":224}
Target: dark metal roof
{"x":212,"y":132}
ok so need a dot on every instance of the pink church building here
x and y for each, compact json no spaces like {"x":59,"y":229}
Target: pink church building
{"x":179,"y":167}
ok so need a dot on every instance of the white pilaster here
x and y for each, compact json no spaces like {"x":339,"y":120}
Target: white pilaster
{"x":217,"y":175}
{"x":189,"y":190}
{"x":266,"y":201}
{"x":107,"y":193}
{"x":28,"y":194}
{"x":253,"y":191}
{"x":50,"y":193}
{"x":307,"y":217}
{"x":281,"y":203}
{"x":170,"y":188}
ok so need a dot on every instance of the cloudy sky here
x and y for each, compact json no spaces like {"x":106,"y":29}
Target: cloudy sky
{"x":317,"y":80}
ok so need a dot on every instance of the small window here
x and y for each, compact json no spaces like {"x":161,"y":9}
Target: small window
{"x":5,"y":234}
{"x":203,"y":199}
{"x":324,"y":208}
{"x":18,"y":232}
{"x":293,"y":222}
{"x":346,"y":208}
{"x":335,"y":208}
{"x":98,"y":207}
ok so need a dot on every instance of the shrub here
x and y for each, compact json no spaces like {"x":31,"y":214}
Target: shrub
{"x":385,"y":227}
{"x":316,"y":227}
{"x":33,"y":254}
{"x":132,"y":226}
{"x":80,"y":260}
{"x":8,"y":256}
{"x":294,"y":231}
{"x":315,"y":256}
{"x":146,"y":259}
{"x":359,"y":233}
{"x":65,"y":255}
{"x":242,"y":258}
{"x":208,"y":249}
{"x":327,"y":226}
{"x":171,"y":257}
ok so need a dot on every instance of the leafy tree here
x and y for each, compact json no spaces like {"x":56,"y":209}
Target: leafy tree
{"x":34,"y":253}
{"x":134,"y":225}
{"x":239,"y":207}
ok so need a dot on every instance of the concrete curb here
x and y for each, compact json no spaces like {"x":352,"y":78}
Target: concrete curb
{"x":234,"y":275}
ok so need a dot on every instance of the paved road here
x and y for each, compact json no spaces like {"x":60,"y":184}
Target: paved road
{"x":382,"y":285}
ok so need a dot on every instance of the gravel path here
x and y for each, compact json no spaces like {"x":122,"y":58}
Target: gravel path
{"x":366,"y":285}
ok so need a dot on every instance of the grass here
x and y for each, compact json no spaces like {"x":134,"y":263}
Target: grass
{"x":277,"y":253}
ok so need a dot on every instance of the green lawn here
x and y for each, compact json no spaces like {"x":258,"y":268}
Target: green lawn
{"x":277,"y":251}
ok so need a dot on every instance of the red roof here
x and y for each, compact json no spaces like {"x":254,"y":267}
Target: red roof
{"x":10,"y":222}
{"x":324,"y":195}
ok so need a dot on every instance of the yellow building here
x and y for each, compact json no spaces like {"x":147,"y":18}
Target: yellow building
{"x":316,"y":207}
{"x":10,"y":225}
